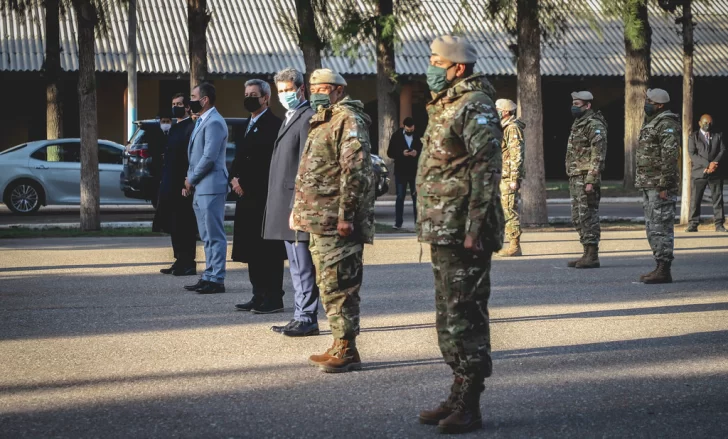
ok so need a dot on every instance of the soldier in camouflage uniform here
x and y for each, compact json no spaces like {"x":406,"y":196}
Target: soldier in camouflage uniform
{"x":460,"y":216}
{"x":586,"y":153}
{"x":512,"y":150}
{"x":334,"y":202}
{"x":658,"y":176}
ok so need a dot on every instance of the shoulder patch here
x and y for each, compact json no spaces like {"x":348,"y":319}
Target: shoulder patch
{"x":598,"y":131}
{"x":353,"y":133}
{"x":482,"y":119}
{"x":669,"y":130}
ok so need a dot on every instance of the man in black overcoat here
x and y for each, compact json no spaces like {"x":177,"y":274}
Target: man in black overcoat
{"x":250,"y":171}
{"x":281,"y":190}
{"x":174,"y":213}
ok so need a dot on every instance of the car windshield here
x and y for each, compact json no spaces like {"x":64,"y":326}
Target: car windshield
{"x":14,"y":148}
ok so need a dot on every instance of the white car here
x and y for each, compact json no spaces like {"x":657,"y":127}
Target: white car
{"x":48,"y":172}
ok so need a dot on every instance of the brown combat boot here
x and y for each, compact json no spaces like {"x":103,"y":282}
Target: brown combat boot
{"x":591,"y":260}
{"x":317,"y":360}
{"x":445,"y":409}
{"x":573,"y":263}
{"x":513,"y":250}
{"x":651,"y":273}
{"x":345,"y":358}
{"x":466,"y":417}
{"x":662,"y":275}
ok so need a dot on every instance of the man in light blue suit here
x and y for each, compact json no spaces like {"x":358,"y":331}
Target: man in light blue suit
{"x":207,"y":181}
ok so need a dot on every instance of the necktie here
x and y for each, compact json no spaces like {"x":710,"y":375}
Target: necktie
{"x":250,"y":125}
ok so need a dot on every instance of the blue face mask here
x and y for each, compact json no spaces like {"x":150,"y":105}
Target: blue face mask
{"x":289,"y":99}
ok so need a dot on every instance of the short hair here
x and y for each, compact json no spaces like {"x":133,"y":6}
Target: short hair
{"x":185,"y":98}
{"x":207,"y":90}
{"x":263,"y":86}
{"x":408,"y":121}
{"x":289,"y":75}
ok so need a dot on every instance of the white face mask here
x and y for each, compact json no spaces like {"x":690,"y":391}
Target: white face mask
{"x":165,"y":126}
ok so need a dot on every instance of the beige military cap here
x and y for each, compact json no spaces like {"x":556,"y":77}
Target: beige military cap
{"x":326,"y":76}
{"x":505,"y":104}
{"x":455,"y":49}
{"x":658,"y":96}
{"x":582,"y":96}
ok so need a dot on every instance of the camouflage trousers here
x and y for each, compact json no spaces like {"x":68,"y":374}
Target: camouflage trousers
{"x":660,"y":223}
{"x":339,"y":271}
{"x":462,"y":291}
{"x":585,"y":210}
{"x":509,"y":200}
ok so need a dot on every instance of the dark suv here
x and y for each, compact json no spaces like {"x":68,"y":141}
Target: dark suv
{"x":142,"y":165}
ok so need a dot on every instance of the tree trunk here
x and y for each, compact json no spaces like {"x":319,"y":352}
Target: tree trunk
{"x":308,"y":37}
{"x":636,"y":78}
{"x":54,"y":100}
{"x":198,"y":18}
{"x":90,"y":197}
{"x":687,"y":116}
{"x":386,"y":81}
{"x":531,"y":111}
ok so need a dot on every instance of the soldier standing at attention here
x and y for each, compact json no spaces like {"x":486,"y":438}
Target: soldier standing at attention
{"x":585,"y":156}
{"x":512,"y":149}
{"x":334,"y":203}
{"x":658,"y":177}
{"x":460,"y":216}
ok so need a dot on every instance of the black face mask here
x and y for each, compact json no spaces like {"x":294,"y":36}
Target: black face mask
{"x":409,"y":133}
{"x":179,"y":112}
{"x":252,"y":104}
{"x":195,"y":106}
{"x":706,"y":126}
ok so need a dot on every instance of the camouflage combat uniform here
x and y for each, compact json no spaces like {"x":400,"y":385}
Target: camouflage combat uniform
{"x":335,"y":182}
{"x":457,"y":196}
{"x":657,"y":170}
{"x":512,"y":150}
{"x":586,"y":153}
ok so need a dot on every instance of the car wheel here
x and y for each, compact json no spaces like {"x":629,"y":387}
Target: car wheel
{"x":23,"y":197}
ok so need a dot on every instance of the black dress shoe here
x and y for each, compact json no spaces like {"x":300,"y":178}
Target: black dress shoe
{"x":302,"y":329}
{"x":169,"y":270}
{"x":249,"y":305}
{"x":192,"y":271}
{"x":212,"y":288}
{"x":280,"y":329}
{"x":692,"y":228}
{"x":268,"y":307}
{"x":200,"y":283}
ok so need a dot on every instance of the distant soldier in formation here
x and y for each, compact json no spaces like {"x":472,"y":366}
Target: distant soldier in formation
{"x":586,"y":153}
{"x":512,"y":150}
{"x":334,"y":203}
{"x":658,"y":177}
{"x":460,"y":216}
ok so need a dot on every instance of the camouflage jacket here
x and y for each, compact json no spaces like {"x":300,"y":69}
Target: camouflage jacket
{"x":335,"y":180}
{"x":460,"y":165}
{"x":658,"y":151}
{"x":513,"y":149}
{"x":586,"y":151}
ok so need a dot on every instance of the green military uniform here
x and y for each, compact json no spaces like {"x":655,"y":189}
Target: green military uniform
{"x":586,"y":153}
{"x":335,"y":183}
{"x":512,"y":150}
{"x":657,"y":170}
{"x":457,"y":196}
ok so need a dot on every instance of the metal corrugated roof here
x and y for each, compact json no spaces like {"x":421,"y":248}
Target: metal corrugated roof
{"x":245,"y":38}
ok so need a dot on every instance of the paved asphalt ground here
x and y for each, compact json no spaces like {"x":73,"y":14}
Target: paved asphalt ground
{"x":384,"y":214}
{"x":95,"y":343}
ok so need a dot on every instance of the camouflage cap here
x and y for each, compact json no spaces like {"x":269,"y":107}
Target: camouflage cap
{"x":506,"y":105}
{"x":326,"y":76}
{"x":582,"y":96}
{"x":658,"y":95}
{"x":455,"y":49}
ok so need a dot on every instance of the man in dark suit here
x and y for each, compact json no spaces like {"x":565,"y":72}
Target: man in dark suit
{"x":281,"y":184}
{"x":174,"y":214}
{"x":706,"y":151}
{"x":250,"y":172}
{"x":405,"y":148}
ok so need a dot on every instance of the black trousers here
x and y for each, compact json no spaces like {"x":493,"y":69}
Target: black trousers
{"x":266,"y":276}
{"x":716,"y":192}
{"x":184,"y":245}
